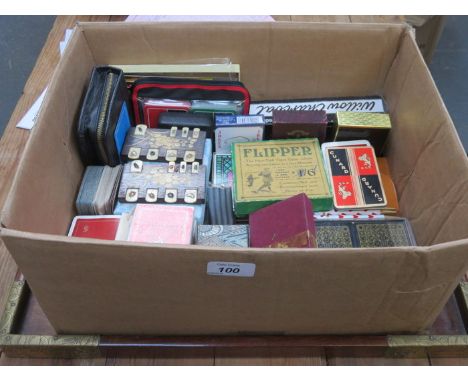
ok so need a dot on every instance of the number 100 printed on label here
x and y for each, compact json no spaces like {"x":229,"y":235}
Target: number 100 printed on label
{"x":217,"y":268}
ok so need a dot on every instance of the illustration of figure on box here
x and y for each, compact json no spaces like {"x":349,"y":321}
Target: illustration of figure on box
{"x":267,"y":180}
{"x":342,"y":190}
{"x":367,"y":162}
{"x":250,"y":180}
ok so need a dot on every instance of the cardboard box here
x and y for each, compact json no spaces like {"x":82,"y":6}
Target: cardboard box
{"x":108,"y":287}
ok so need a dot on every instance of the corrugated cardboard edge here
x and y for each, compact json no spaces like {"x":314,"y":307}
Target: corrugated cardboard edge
{"x":412,"y":299}
{"x":457,"y":198}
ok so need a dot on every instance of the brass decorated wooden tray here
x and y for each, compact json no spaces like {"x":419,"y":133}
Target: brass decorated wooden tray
{"x":26,"y":332}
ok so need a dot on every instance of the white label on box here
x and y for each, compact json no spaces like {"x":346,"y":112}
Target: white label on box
{"x":266,"y":108}
{"x":238,"y":120}
{"x":218,"y":268}
{"x":249,"y":120}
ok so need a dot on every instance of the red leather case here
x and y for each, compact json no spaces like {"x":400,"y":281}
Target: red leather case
{"x":286,"y":224}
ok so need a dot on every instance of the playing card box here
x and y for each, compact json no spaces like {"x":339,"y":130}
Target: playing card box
{"x":269,"y":171}
{"x":222,"y":170}
{"x":129,"y":208}
{"x":219,"y":205}
{"x":285,"y":224}
{"x":231,"y":129}
{"x":98,"y":190}
{"x":157,"y":182}
{"x":299,"y":124}
{"x":171,"y":145}
{"x":391,"y":232}
{"x":355,"y":177}
{"x":392,"y":207}
{"x":373,"y":127}
{"x":162,"y":224}
{"x":95,"y":227}
{"x":223,"y":235}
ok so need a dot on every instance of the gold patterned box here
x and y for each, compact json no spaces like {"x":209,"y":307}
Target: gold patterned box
{"x":391,"y":232}
{"x":269,"y":171}
{"x":374,"y":127}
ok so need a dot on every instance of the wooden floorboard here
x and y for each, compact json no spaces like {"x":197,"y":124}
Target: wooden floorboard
{"x":11,"y":147}
{"x":270,"y":357}
{"x":167,"y":357}
{"x":449,"y":361}
{"x":7,"y":361}
{"x":372,"y":357}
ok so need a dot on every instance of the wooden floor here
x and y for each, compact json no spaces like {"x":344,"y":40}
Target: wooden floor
{"x":11,"y":147}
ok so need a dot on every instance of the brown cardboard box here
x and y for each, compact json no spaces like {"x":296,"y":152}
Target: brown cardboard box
{"x":428,"y":30}
{"x":91,"y":286}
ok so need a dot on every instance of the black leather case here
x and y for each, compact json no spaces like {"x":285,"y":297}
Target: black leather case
{"x":101,"y":115}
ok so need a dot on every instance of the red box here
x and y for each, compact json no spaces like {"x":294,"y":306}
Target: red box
{"x":286,"y":224}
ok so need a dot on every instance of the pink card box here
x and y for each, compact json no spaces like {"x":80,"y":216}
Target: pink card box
{"x":162,"y":224}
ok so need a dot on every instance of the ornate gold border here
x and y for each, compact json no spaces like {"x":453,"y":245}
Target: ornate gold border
{"x":19,"y":345}
{"x":75,"y":345}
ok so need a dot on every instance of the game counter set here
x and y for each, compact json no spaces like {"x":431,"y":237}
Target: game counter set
{"x":269,"y":193}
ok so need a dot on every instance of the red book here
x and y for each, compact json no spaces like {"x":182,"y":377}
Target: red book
{"x":95,"y":227}
{"x":286,"y":224}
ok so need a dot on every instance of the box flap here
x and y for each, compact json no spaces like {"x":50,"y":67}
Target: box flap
{"x":92,"y":286}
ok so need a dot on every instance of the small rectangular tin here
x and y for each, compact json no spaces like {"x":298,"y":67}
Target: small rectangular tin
{"x":373,"y":127}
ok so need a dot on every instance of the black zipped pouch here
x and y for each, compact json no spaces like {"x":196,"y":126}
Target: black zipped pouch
{"x":104,"y":117}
